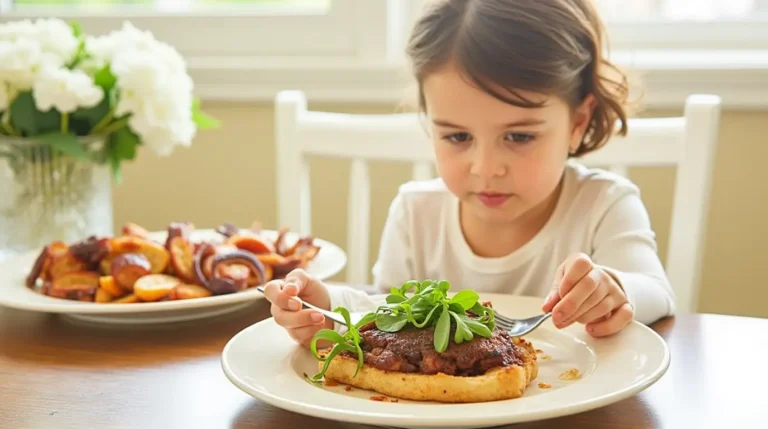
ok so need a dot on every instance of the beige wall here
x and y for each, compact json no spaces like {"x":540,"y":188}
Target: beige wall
{"x":238,"y":163}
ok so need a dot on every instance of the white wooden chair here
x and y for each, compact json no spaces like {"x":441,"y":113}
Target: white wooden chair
{"x":687,"y":142}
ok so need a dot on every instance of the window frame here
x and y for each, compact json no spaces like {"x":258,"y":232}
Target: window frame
{"x":349,"y":29}
{"x":352,"y":55}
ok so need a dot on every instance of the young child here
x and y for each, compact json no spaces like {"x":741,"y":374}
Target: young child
{"x":514,"y":90}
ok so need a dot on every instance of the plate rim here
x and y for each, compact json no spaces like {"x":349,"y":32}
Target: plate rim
{"x":47,"y":304}
{"x":435,"y":420}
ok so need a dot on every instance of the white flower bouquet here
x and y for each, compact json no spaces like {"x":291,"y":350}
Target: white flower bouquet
{"x":73,"y":108}
{"x":58,"y":85}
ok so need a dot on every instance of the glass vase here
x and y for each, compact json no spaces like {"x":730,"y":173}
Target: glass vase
{"x":47,"y":196}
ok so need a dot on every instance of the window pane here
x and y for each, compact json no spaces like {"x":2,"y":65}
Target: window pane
{"x":687,"y":10}
{"x":186,"y":4}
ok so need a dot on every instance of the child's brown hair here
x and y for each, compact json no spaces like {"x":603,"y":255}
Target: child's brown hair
{"x":543,"y":46}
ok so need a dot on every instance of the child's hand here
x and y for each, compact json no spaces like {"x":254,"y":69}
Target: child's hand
{"x":583,"y":292}
{"x":301,"y":324}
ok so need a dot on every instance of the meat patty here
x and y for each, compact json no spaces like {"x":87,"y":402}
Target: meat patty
{"x":413,"y":350}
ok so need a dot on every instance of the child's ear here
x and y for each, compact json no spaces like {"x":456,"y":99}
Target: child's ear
{"x":581,"y":118}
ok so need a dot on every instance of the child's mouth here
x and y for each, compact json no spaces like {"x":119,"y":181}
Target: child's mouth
{"x":492,"y":199}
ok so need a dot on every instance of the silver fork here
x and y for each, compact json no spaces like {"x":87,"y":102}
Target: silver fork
{"x":515,"y":327}
{"x":336,"y":317}
{"x":519,"y":327}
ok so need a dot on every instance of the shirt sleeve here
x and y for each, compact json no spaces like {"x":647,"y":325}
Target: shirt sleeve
{"x":625,"y":245}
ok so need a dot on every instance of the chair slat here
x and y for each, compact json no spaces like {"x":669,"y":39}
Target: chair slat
{"x":359,"y":222}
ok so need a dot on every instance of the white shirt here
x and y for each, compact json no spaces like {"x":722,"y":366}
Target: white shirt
{"x":598,"y":213}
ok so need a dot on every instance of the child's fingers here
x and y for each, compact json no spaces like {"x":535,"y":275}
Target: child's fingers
{"x":550,"y":301}
{"x":304,"y":334}
{"x":296,"y":319}
{"x":296,"y":281}
{"x":272,"y":289}
{"x":597,"y":311}
{"x":594,"y":299}
{"x":615,"y":323}
{"x":576,"y":268}
{"x":570,"y":303}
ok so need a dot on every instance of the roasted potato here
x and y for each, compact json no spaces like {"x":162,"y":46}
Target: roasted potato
{"x":189,"y":291}
{"x":157,"y":255}
{"x":154,"y":287}
{"x":132,"y":230}
{"x":182,"y":258}
{"x":128,"y":267}
{"x":108,"y":283}
{"x":103,"y":296}
{"x":128,"y":299}
{"x":251,"y":243}
{"x":74,"y":285}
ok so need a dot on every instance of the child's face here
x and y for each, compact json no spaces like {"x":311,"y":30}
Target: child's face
{"x":503,"y":162}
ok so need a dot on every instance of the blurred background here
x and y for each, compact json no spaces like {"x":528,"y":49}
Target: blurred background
{"x":346,"y":55}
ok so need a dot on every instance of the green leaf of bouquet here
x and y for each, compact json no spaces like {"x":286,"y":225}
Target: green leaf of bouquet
{"x":202,"y":119}
{"x":105,"y":79}
{"x":30,"y":121}
{"x":65,"y":143}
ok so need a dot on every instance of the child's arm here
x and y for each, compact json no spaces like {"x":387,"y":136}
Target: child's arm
{"x":392,"y":268}
{"x":624,"y":245}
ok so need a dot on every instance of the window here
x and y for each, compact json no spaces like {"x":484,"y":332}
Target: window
{"x":242,"y":28}
{"x":352,"y":50}
{"x":687,"y":24}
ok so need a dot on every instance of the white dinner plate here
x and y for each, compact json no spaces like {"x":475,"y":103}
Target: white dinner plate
{"x":263,"y":361}
{"x":329,"y":261}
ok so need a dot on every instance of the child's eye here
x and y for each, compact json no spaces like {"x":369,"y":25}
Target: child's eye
{"x":520,"y":137}
{"x":458,"y":137}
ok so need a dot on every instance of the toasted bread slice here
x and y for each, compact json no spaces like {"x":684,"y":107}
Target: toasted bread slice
{"x":496,"y":384}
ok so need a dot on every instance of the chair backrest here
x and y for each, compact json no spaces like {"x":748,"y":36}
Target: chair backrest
{"x":687,"y":142}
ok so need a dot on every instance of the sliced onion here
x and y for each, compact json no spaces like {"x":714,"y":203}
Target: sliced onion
{"x":242,"y":257}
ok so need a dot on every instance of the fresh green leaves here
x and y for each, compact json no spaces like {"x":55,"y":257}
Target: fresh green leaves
{"x":120,"y":147}
{"x":443,"y":330}
{"x":65,"y":143}
{"x":31,"y":122}
{"x":418,"y":304}
{"x":429,"y":305}
{"x":202,"y":119}
{"x":350,"y":342}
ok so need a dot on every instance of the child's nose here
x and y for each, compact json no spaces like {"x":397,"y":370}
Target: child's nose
{"x":487,"y":162}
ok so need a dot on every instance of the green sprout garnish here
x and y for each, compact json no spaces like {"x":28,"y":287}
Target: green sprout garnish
{"x":428,"y":305}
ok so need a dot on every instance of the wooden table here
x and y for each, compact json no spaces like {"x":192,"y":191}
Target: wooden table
{"x":56,"y":373}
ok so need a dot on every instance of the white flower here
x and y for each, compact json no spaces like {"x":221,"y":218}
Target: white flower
{"x":5,"y":96}
{"x":21,"y":62}
{"x":129,"y":38}
{"x":53,"y":36}
{"x":65,"y":90}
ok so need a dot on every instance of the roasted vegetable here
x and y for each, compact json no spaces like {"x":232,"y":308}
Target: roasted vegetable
{"x":91,"y":250}
{"x":108,"y":284}
{"x":65,"y":263}
{"x":252,"y":243}
{"x":129,"y":267}
{"x":128,"y":299}
{"x":243,"y":258}
{"x":178,"y":229}
{"x":155,"y":253}
{"x":154,"y":287}
{"x":38,"y":267}
{"x":182,"y":258}
{"x":103,"y":296}
{"x":74,"y":285}
{"x":133,"y":230}
{"x":189,"y":291}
